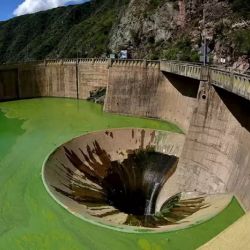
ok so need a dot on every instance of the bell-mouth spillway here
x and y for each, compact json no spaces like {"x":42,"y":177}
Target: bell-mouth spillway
{"x":117,"y":178}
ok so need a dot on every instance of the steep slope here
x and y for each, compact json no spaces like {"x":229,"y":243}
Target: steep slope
{"x":153,"y":29}
{"x":61,"y":32}
{"x":173,"y":29}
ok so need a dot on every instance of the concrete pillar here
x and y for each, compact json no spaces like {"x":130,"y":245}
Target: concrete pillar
{"x":204,"y":73}
{"x":110,"y":61}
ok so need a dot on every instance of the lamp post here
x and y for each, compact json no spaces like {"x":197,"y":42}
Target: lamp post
{"x":204,"y":34}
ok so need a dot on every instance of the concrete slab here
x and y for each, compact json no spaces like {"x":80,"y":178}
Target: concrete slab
{"x":235,"y":237}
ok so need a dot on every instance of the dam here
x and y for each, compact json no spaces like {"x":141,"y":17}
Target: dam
{"x":170,"y":152}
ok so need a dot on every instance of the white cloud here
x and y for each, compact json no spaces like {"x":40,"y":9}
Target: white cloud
{"x":32,"y":6}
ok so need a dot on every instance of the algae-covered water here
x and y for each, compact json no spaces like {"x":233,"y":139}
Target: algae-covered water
{"x":30,"y":219}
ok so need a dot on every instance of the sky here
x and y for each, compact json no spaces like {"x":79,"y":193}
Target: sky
{"x":11,"y":8}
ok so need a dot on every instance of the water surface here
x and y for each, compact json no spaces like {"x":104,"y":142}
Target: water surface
{"x":30,"y":219}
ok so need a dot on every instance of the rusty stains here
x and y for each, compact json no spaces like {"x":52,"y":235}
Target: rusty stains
{"x":108,"y":133}
{"x":114,"y":212}
{"x":91,"y":178}
{"x":142,"y":138}
{"x":152,"y":137}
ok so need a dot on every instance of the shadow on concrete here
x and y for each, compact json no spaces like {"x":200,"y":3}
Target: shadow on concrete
{"x":238,"y":106}
{"x":9,"y":85}
{"x":186,"y":86}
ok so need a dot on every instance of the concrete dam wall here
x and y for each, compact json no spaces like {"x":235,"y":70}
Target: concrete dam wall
{"x":216,"y":156}
{"x":216,"y":123}
{"x":141,"y":89}
{"x":53,"y":78}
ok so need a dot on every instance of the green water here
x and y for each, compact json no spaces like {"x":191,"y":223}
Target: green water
{"x":31,"y":219}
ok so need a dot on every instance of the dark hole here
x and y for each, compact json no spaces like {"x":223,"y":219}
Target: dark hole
{"x":133,"y":185}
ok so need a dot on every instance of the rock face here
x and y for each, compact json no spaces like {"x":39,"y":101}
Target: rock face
{"x":143,"y":24}
{"x":242,"y":65}
{"x":152,"y":29}
{"x":155,"y":29}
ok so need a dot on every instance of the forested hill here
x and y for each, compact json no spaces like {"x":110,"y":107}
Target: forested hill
{"x":61,"y":32}
{"x":153,"y":29}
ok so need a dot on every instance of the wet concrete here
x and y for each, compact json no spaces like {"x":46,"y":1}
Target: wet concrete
{"x":116,"y":176}
{"x":31,"y":219}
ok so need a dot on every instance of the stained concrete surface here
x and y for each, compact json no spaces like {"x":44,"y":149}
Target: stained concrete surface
{"x":31,"y":219}
{"x":235,"y":237}
{"x":115,"y":177}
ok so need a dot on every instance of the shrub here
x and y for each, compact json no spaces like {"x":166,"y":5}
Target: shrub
{"x":241,"y":41}
{"x":241,"y":7}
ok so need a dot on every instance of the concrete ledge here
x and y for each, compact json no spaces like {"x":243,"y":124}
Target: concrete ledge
{"x":235,"y":237}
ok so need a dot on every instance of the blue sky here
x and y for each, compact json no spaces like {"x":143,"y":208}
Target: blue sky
{"x":7,"y":7}
{"x":11,"y":8}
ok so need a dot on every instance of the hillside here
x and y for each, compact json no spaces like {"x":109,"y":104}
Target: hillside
{"x":61,"y":32}
{"x":172,"y":29}
{"x":152,"y":29}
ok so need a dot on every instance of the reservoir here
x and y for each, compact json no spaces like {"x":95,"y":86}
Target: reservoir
{"x":30,"y":130}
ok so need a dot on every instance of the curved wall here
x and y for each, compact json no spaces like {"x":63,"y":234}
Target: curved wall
{"x":216,"y":153}
{"x":143,"y":90}
{"x":114,"y":177}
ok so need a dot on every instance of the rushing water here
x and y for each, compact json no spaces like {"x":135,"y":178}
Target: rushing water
{"x":30,"y":219}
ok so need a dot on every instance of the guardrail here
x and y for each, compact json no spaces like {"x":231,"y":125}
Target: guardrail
{"x":182,"y":68}
{"x":224,"y":78}
{"x":231,"y":81}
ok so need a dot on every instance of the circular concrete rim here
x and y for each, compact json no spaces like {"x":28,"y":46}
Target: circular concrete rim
{"x":124,"y":228}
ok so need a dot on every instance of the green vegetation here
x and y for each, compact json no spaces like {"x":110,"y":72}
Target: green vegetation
{"x":85,"y":30}
{"x":81,"y":30}
{"x":155,"y":3}
{"x":242,"y":7}
{"x":31,"y":219}
{"x":241,"y":41}
{"x":181,"y":50}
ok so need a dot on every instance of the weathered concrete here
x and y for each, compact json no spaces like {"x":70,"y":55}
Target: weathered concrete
{"x":31,"y":81}
{"x":8,"y":84}
{"x":235,"y":237}
{"x":59,"y":78}
{"x":92,"y":74}
{"x":141,"y":89}
{"x":84,"y":75}
{"x":183,"y":69}
{"x":80,"y":173}
{"x":238,"y":84}
{"x":216,"y":155}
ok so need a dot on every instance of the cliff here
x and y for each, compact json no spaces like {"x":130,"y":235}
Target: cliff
{"x":173,"y":29}
{"x":80,"y":30}
{"x":153,"y":29}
